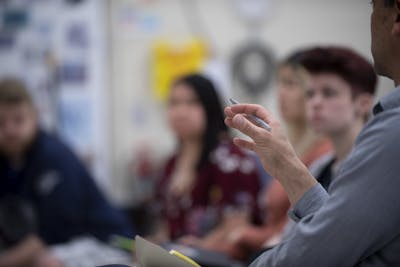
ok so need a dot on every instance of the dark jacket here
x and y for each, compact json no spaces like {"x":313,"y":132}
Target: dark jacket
{"x":65,"y":198}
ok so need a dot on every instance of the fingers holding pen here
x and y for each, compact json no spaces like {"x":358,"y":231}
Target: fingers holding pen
{"x":249,"y":109}
{"x":272,"y":146}
{"x":244,"y":120}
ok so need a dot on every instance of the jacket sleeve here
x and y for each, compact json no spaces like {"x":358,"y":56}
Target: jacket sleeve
{"x":309,"y":203}
{"x":83,"y":205}
{"x":102,"y":220}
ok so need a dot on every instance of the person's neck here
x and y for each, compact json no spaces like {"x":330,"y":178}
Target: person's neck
{"x":296,"y":132}
{"x":343,"y":142}
{"x":300,"y":136}
{"x":190,"y":143}
{"x":190,"y":148}
{"x":17,"y":158}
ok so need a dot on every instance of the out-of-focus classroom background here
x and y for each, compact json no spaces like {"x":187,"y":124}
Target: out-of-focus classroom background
{"x":100,"y":70}
{"x":96,"y":67}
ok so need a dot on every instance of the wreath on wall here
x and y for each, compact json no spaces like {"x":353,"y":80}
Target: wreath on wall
{"x":253,"y":67}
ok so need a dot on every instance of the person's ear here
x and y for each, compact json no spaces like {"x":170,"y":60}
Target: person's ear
{"x":396,"y":26}
{"x":363,"y":104}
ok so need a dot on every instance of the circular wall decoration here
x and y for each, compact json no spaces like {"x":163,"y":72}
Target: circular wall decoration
{"x":253,"y":67}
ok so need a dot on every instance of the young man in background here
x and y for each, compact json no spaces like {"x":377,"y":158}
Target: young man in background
{"x":51,"y":195}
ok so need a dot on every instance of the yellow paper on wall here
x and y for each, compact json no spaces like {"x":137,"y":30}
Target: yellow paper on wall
{"x":173,"y":60}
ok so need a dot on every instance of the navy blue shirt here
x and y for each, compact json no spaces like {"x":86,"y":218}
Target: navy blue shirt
{"x":65,"y":198}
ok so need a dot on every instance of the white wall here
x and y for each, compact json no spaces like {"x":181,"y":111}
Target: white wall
{"x":138,"y":119}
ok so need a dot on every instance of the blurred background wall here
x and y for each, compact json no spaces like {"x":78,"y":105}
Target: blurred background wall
{"x":94,"y":65}
{"x":284,"y":25}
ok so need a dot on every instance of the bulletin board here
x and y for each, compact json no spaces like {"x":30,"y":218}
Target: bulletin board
{"x":56,"y":48}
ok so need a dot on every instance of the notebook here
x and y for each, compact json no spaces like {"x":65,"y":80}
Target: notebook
{"x":152,"y":255}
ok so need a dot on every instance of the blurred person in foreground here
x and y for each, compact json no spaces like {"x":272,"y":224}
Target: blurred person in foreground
{"x":356,"y":224}
{"x":47,"y":196}
{"x":245,"y":240}
{"x":208,"y":178}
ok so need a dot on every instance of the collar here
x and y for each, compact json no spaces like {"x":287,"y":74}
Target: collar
{"x":389,"y":101}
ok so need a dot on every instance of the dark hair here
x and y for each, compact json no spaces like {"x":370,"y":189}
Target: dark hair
{"x":13,"y":92}
{"x":344,"y":62}
{"x":389,"y":3}
{"x":209,"y":99}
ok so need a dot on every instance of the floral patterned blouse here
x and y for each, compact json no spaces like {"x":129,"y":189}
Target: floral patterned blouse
{"x":229,"y":181}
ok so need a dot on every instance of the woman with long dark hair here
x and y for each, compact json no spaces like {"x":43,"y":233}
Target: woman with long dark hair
{"x":208,"y":176}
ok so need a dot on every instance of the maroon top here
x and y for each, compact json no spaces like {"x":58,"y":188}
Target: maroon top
{"x":229,"y":179}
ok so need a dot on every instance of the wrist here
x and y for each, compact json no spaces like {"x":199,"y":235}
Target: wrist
{"x":296,"y":180}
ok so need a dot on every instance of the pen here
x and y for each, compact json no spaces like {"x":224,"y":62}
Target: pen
{"x":262,"y":123}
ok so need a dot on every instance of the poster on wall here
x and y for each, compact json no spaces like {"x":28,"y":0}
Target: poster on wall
{"x":76,"y":36}
{"x":75,"y":122}
{"x":171,"y":60}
